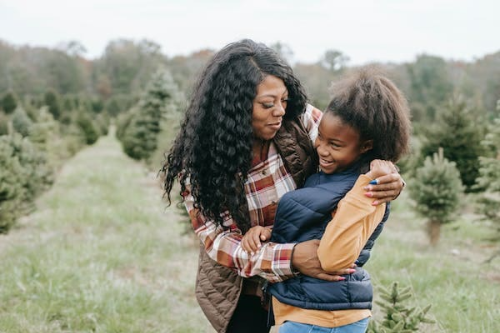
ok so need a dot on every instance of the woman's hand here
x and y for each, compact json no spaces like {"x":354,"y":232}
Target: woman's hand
{"x":305,"y":260}
{"x":387,"y":183}
{"x":251,"y":241}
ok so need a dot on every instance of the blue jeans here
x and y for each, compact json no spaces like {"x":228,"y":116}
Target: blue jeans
{"x":293,"y":327}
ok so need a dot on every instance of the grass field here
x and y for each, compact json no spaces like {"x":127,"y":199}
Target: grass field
{"x":102,"y":254}
{"x":463,"y":290}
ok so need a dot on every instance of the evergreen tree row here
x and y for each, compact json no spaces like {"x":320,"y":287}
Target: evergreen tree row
{"x":33,"y":146}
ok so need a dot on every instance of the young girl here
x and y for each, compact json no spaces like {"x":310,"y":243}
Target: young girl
{"x":367,"y":119}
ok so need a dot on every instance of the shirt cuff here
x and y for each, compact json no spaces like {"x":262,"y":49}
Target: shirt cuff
{"x":282,"y":263}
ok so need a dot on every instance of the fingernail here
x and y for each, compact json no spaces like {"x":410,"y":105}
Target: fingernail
{"x":351,"y":271}
{"x":341,"y":278}
{"x":259,"y":246}
{"x":375,"y":203}
{"x":374,"y":182}
{"x":253,"y":253}
{"x":369,"y":194}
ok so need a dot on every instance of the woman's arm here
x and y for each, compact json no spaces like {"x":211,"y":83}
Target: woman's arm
{"x":272,"y":261}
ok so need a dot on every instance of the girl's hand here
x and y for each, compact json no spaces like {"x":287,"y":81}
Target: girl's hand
{"x":251,"y":241}
{"x":387,"y":183}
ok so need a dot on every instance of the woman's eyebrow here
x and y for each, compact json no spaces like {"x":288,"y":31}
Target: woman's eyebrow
{"x":267,"y":95}
{"x":273,"y":95}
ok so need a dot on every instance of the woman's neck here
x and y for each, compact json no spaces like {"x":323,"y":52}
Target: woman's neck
{"x":260,"y":150}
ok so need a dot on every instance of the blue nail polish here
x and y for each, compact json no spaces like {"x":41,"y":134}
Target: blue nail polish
{"x":373,"y":182}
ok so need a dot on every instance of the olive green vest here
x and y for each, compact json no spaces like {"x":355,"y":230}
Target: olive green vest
{"x":217,"y":287}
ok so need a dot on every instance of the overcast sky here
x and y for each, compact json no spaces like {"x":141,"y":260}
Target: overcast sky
{"x":383,"y":30}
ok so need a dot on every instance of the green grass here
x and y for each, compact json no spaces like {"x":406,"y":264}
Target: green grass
{"x":464,"y":292}
{"x":102,"y":254}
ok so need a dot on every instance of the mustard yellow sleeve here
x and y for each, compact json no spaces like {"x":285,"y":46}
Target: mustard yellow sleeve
{"x":350,"y":228}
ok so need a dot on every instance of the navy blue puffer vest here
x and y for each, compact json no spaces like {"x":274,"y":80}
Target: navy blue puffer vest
{"x":303,"y":215}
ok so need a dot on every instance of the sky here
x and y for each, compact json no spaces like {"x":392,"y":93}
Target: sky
{"x":366,"y":31}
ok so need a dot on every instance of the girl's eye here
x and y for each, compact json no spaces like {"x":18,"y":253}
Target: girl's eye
{"x":267,"y":105}
{"x":334,"y":145}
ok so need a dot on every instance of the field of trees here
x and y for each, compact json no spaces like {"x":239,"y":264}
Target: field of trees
{"x":86,"y":244}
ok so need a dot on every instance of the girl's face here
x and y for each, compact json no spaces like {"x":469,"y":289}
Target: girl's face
{"x":338,"y":145}
{"x":269,"y":107}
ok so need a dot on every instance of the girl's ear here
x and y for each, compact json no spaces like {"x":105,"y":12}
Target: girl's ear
{"x":366,"y":146}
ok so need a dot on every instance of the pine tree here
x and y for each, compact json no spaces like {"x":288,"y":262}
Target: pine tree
{"x":102,"y":123}
{"x":84,"y":121}
{"x":137,"y":140}
{"x":456,"y":131}
{"x":51,"y":99}
{"x":4,"y":124}
{"x":140,"y":137}
{"x":409,"y":163}
{"x":113,"y":108}
{"x":24,"y":174}
{"x":47,"y":135}
{"x":9,"y":102}
{"x":398,"y":317}
{"x":21,"y":122}
{"x":436,"y":190}
{"x":489,"y":201}
{"x":11,"y":187}
{"x":123,"y":122}
{"x":43,"y":130}
{"x":37,"y":175}
{"x":488,"y":181}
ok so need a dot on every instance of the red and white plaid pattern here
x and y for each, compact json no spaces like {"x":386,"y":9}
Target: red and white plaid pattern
{"x":267,"y":182}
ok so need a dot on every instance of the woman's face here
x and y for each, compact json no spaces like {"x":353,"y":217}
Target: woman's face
{"x":269,"y":107}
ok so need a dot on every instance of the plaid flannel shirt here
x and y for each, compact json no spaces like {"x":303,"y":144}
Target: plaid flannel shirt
{"x":267,"y":182}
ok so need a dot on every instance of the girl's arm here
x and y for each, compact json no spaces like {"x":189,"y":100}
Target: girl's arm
{"x":353,"y":223}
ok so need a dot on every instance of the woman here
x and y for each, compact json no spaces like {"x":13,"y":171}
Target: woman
{"x":246,"y":141}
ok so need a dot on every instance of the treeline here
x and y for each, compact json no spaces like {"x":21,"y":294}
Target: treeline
{"x":117,"y":78}
{"x":114,"y":81}
{"x":144,"y":91}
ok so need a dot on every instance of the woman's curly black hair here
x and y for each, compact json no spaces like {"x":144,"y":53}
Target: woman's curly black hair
{"x":369,"y":102}
{"x":214,"y":146}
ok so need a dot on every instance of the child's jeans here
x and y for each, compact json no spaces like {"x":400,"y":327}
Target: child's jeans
{"x":293,"y":327}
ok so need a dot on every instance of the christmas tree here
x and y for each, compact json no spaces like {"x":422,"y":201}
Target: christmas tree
{"x":398,"y":318}
{"x":436,"y":190}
